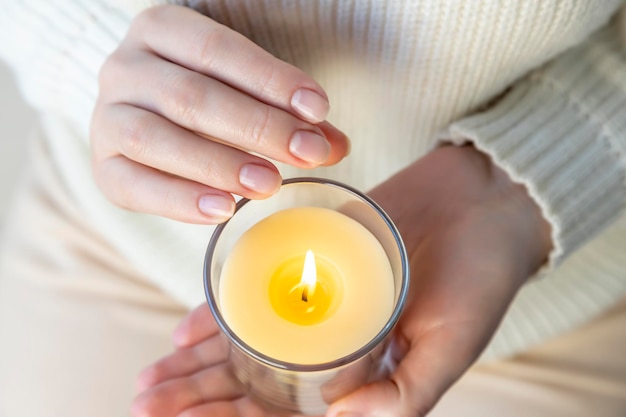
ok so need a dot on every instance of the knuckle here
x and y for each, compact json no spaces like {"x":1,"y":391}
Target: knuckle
{"x":210,"y":39}
{"x":269,"y":82}
{"x":108,"y":180}
{"x":150,"y":17}
{"x":135,"y":136}
{"x":110,"y":73}
{"x":185,"y":95}
{"x":210,"y":172}
{"x":258,"y":131}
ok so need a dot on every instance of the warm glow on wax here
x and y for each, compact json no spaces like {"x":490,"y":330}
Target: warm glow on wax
{"x":307,"y":285}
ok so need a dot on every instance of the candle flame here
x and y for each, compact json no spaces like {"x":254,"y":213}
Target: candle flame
{"x":309,"y":276}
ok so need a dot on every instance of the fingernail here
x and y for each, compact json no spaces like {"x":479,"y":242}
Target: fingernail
{"x":259,"y":178}
{"x":310,"y":147}
{"x":216,"y":206}
{"x":347,"y":414}
{"x":310,"y":105}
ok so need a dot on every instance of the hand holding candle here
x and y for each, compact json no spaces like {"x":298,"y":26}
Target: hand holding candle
{"x":182,"y":149}
{"x":473,"y":239}
{"x":307,"y":287}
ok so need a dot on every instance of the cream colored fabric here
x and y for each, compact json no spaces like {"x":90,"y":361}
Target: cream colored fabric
{"x":77,"y":323}
{"x":578,"y":374}
{"x":398,"y":73}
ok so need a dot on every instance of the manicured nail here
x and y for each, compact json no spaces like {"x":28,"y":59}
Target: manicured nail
{"x":310,"y":105}
{"x":310,"y":147}
{"x":259,"y":178}
{"x":216,"y":206}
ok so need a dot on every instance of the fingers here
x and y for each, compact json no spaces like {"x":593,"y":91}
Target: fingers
{"x":206,"y":47}
{"x":184,"y":362}
{"x":220,"y":408}
{"x":242,"y":407}
{"x":339,"y":143}
{"x":196,"y":326}
{"x":191,"y":376}
{"x":431,"y":366}
{"x":150,"y":140}
{"x":215,"y":110}
{"x":454,"y":307}
{"x":140,"y":188}
{"x":442,"y":331}
{"x":172,"y":397}
{"x":179,"y":106}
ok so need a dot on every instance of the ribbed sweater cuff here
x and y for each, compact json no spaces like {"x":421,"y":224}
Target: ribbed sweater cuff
{"x":561,"y":133}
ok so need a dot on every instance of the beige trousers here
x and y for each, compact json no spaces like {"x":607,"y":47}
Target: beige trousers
{"x":77,"y":323}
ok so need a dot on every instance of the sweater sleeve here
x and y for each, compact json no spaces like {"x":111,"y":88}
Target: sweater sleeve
{"x":56,"y":48}
{"x":561,"y":132}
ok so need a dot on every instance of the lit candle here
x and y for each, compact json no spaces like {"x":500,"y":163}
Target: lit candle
{"x":307,"y":285}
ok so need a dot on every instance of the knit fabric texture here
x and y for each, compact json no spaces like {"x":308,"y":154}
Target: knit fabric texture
{"x":539,"y":85}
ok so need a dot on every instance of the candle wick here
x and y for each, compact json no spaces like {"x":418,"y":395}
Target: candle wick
{"x":305,"y":294}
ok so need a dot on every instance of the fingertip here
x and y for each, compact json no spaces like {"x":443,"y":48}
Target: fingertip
{"x":180,"y":337}
{"x":262,"y":179}
{"x":145,"y":380}
{"x":217,"y":206}
{"x":340,"y":144}
{"x":140,"y":188}
{"x":198,"y":325}
{"x":143,"y":406}
{"x":310,"y":147}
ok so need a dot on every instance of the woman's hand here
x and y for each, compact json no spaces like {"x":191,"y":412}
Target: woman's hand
{"x":189,"y":111}
{"x":196,"y":380}
{"x":473,"y":238}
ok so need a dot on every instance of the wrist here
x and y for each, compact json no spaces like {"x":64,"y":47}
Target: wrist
{"x":461,"y":185}
{"x":526,"y":222}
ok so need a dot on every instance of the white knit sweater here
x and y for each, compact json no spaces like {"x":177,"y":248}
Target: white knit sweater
{"x":540,"y":85}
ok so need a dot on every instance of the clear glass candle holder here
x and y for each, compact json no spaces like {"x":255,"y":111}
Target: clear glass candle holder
{"x":307,"y":389}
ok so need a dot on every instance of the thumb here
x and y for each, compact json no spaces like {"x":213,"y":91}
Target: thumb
{"x":434,"y":362}
{"x":339,"y":143}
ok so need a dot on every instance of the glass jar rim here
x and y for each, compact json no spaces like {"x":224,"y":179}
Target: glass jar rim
{"x":336,"y":363}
